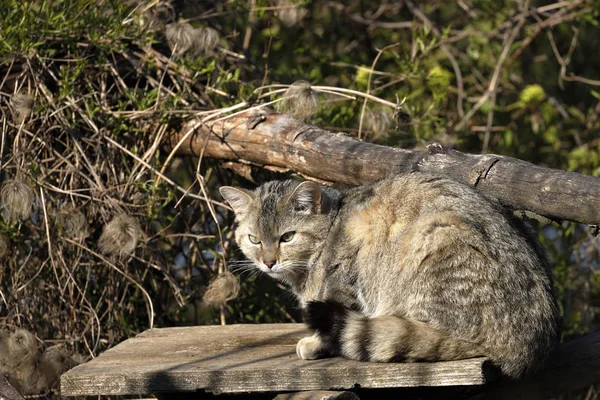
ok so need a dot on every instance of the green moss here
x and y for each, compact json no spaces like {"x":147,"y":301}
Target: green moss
{"x":532,"y":94}
{"x":439,"y":78}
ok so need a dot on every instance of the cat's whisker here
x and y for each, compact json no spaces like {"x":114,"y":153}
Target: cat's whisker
{"x":236,"y":267}
{"x":294,"y":263}
{"x":291,"y":268}
{"x":248,"y":272}
{"x":253,"y":274}
{"x":240,"y":262}
{"x":232,"y":265}
{"x":294,"y":266}
{"x":241,"y":269}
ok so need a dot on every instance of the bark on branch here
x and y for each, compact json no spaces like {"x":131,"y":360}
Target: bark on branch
{"x":280,"y":141}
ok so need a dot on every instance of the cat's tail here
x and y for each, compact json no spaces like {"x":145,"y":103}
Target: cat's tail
{"x":383,"y":339}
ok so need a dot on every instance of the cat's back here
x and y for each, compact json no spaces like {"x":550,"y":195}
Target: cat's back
{"x":410,"y":222}
{"x":384,"y":211}
{"x":434,"y":250}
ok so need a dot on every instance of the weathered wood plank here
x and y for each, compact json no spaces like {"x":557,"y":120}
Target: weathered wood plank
{"x":245,"y":358}
{"x":317,"y":395}
{"x":7,"y":392}
{"x":575,"y":365}
{"x":284,"y":142}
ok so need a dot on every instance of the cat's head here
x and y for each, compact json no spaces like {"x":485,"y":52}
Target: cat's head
{"x":281,"y":224}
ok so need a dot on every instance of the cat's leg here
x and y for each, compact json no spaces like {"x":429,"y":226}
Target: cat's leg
{"x":383,"y":339}
{"x":313,"y":347}
{"x":319,"y":345}
{"x":315,"y":289}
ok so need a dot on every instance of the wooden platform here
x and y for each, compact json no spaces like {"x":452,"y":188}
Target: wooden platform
{"x":246,"y":359}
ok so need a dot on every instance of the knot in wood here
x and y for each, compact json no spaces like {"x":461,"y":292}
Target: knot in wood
{"x":436,"y":148}
{"x":481,"y":169}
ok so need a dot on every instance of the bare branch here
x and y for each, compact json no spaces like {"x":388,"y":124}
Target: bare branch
{"x":283,"y":142}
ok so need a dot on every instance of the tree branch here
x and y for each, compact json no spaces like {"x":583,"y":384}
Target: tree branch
{"x":280,"y":141}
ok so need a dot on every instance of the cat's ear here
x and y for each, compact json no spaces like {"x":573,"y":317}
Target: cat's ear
{"x":238,"y":199}
{"x":307,"y":198}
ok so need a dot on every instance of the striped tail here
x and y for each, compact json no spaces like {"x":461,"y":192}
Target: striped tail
{"x":382,"y":339}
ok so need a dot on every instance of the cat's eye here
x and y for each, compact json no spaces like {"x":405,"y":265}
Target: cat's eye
{"x":287,"y":237}
{"x":253,"y":239}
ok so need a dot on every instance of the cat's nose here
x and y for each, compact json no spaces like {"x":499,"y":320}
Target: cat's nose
{"x":269,"y":264}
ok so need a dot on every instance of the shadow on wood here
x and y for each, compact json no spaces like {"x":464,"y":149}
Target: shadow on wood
{"x":262,"y":358}
{"x":246,"y":358}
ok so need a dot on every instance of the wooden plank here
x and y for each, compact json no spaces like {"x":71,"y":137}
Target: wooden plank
{"x":245,"y":359}
{"x":7,"y":392}
{"x":317,"y":395}
{"x":575,"y":365}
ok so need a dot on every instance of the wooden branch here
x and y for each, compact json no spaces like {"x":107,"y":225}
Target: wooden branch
{"x":280,"y":141}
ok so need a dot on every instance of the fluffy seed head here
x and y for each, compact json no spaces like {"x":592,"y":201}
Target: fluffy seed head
{"x":22,"y":345}
{"x":32,"y":379}
{"x":156,"y":17}
{"x":72,"y":223}
{"x":120,"y":236}
{"x":378,"y":122}
{"x":205,"y":40}
{"x":180,"y":37}
{"x":6,"y":361}
{"x":288,"y":13}
{"x":300,"y":100}
{"x":55,"y":361}
{"x":17,"y":199}
{"x":22,"y":104}
{"x":223,"y":288}
{"x":184,"y":39}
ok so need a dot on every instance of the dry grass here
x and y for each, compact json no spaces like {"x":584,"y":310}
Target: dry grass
{"x":97,"y":242}
{"x":102,"y":234}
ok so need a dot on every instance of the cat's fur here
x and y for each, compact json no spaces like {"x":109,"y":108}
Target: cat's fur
{"x":414,"y":267}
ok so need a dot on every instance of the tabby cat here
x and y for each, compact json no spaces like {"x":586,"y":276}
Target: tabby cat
{"x":415,"y":267}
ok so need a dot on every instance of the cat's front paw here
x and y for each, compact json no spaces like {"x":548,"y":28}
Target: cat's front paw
{"x":310,"y":348}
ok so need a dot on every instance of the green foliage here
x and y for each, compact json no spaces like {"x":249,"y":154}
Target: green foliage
{"x":532,"y":94}
{"x":103,"y":73}
{"x":27,"y":26}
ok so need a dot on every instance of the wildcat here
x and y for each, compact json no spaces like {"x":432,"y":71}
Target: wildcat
{"x":415,"y":267}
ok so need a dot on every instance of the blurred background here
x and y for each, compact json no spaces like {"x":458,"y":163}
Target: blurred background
{"x":104,"y":233}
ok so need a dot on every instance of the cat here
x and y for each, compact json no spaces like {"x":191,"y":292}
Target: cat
{"x":415,"y":267}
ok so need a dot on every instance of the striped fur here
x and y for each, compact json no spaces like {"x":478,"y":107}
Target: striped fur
{"x":414,"y":267}
{"x":383,"y":339}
